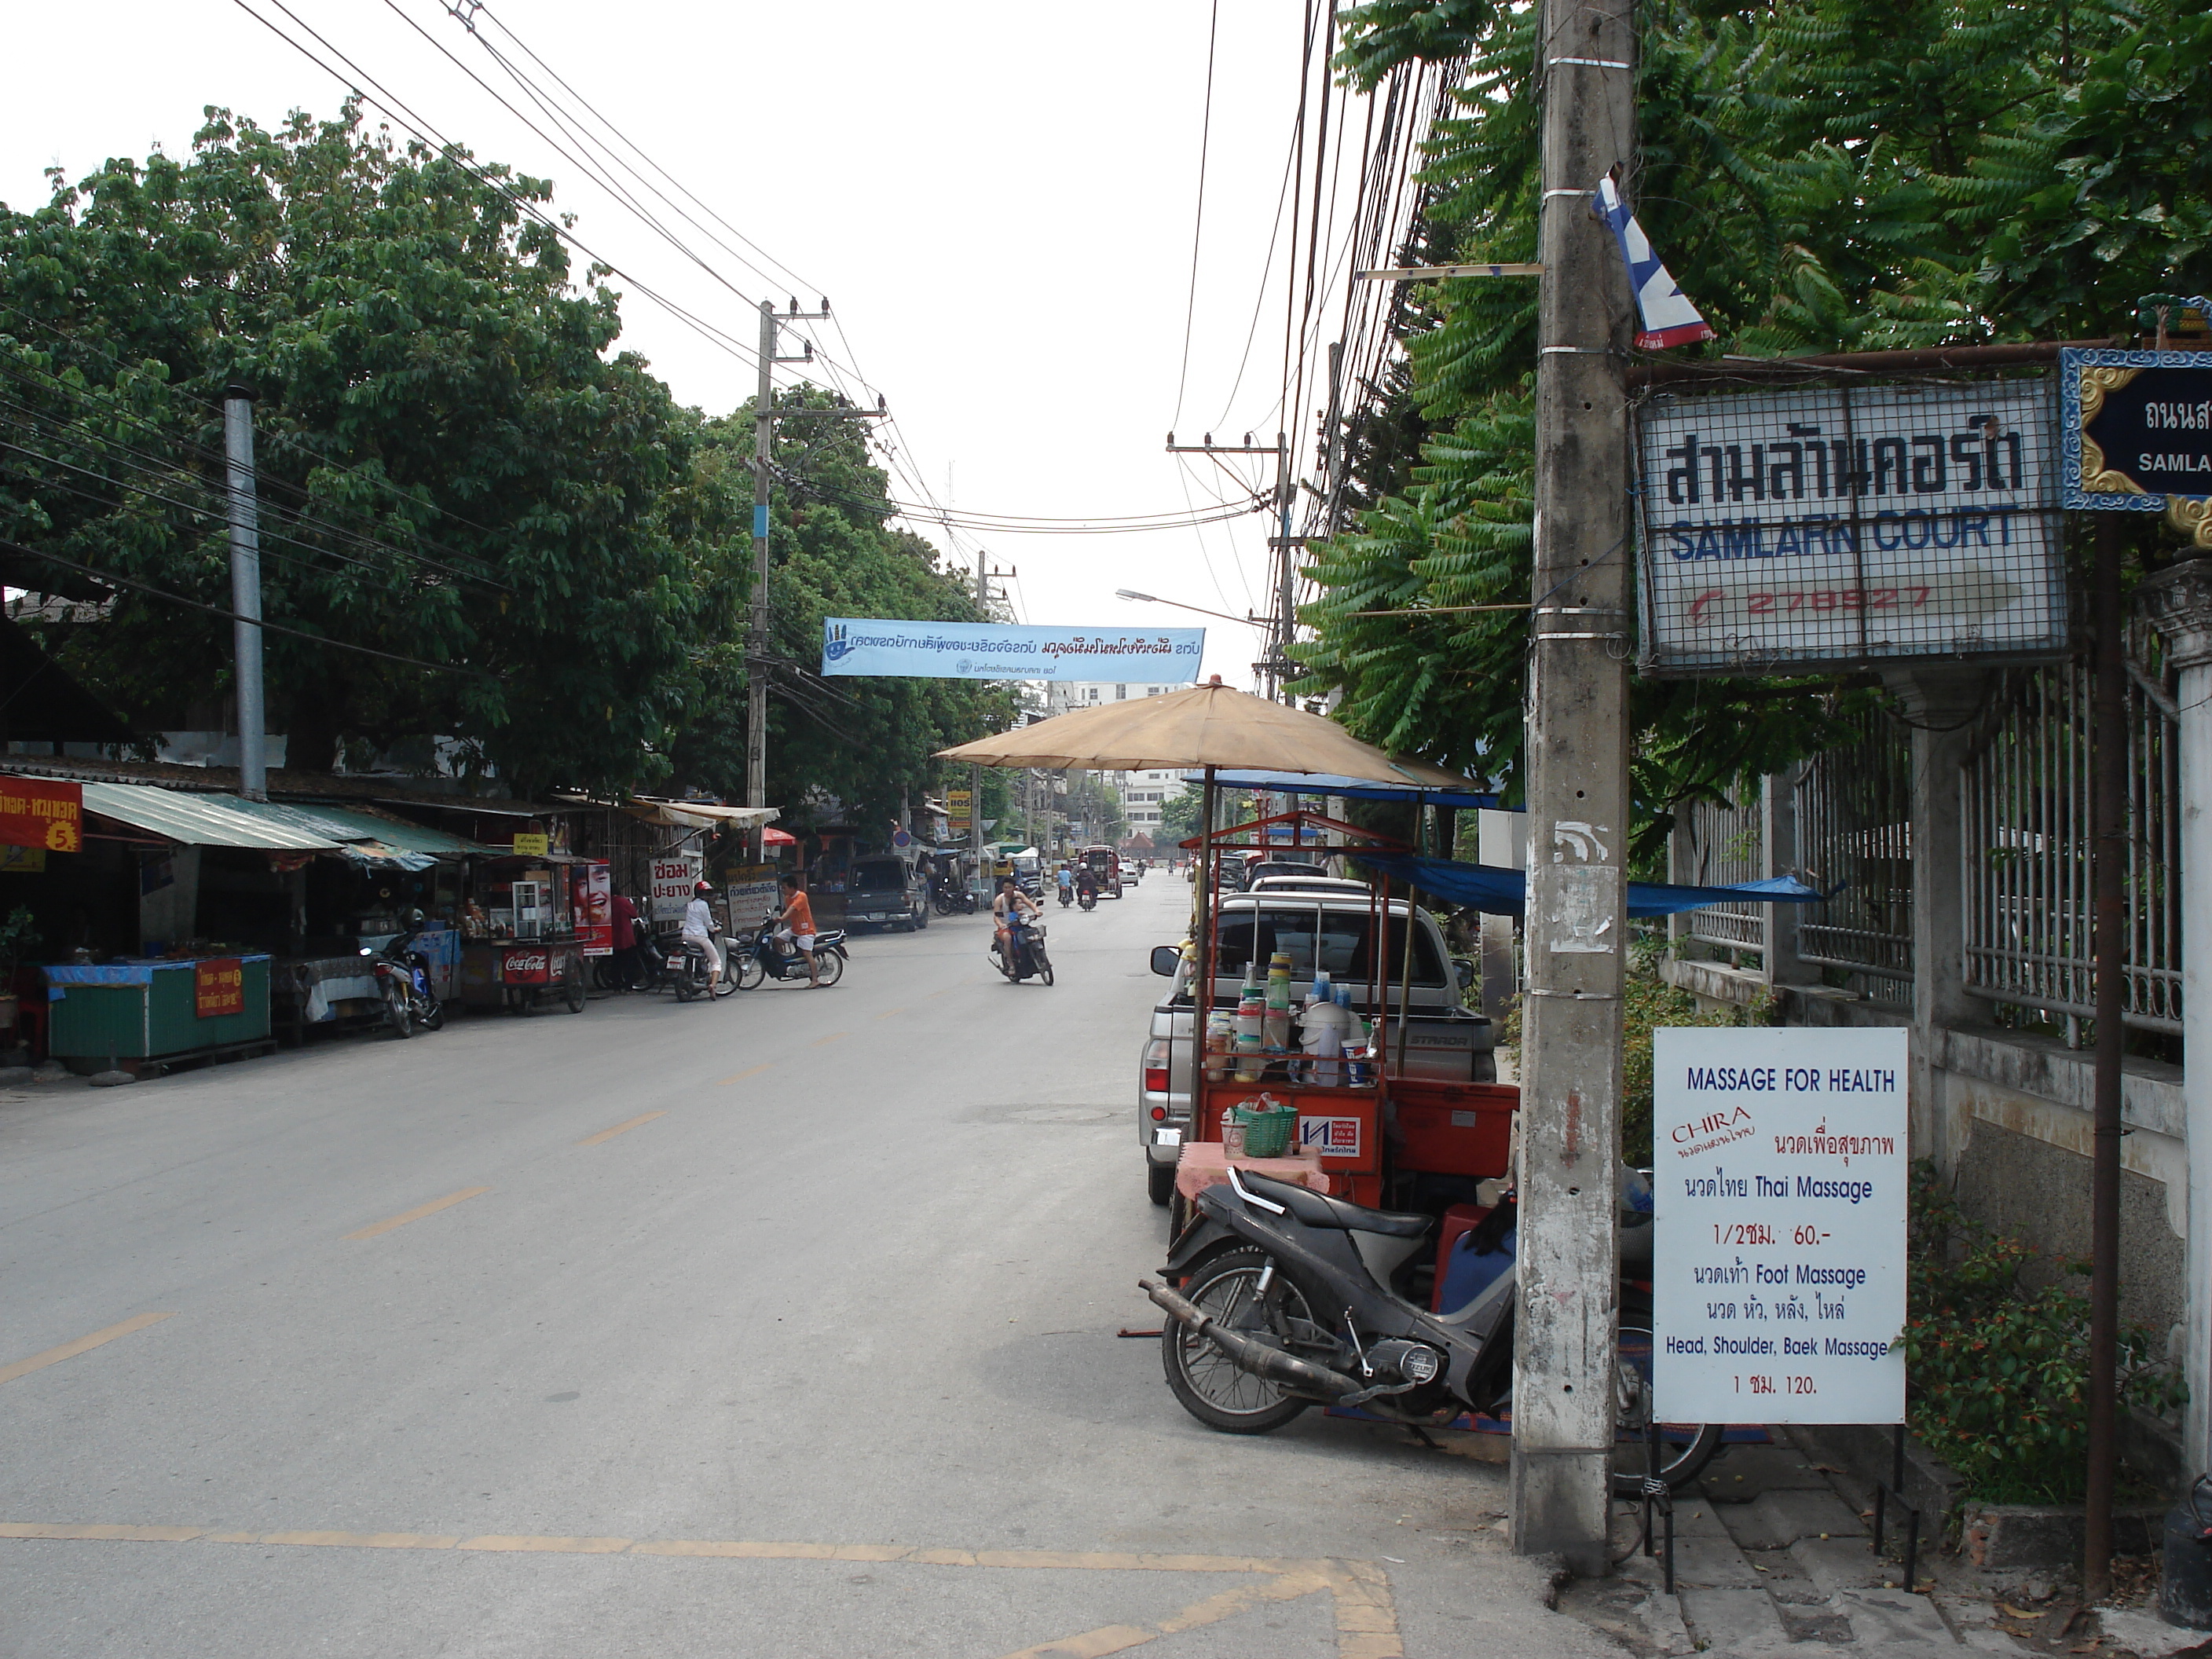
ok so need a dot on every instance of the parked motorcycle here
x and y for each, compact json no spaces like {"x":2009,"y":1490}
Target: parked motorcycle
{"x":1290,"y":1298}
{"x":950,"y":897}
{"x":684,"y":968}
{"x":403,"y":979}
{"x":762,"y":956}
{"x":1027,"y":953}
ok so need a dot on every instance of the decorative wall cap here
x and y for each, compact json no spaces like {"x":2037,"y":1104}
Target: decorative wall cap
{"x":2178,"y":604}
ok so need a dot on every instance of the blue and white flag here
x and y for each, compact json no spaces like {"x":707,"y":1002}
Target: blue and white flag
{"x":1669,"y":319}
{"x":998,"y":651}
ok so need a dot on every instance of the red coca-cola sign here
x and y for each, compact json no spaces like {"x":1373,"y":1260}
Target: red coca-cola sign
{"x":525,"y":967}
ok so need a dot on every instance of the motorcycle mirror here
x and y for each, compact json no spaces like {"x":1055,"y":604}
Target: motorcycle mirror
{"x":1164,"y":959}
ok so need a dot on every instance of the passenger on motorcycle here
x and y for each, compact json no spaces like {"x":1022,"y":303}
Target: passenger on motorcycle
{"x":1011,"y":905}
{"x":798,"y":919}
{"x":699,"y":929}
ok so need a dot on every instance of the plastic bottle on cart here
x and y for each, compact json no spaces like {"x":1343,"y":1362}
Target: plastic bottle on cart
{"x":1220,"y":1039}
{"x":1277,"y":1029}
{"x":1354,"y":1039}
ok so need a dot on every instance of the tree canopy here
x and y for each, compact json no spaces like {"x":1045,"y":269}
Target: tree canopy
{"x":458,"y":469}
{"x":1819,"y":175}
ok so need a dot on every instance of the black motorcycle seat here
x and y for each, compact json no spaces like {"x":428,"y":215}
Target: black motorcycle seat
{"x":1319,"y":1210}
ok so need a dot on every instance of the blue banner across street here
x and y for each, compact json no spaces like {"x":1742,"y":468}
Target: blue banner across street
{"x":991,"y":651}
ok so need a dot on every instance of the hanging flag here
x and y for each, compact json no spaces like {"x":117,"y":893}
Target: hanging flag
{"x":1669,"y":319}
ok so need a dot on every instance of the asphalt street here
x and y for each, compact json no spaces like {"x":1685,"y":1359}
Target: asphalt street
{"x":779,"y":1326}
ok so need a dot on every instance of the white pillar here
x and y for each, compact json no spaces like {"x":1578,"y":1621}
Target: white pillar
{"x":2179,"y":602}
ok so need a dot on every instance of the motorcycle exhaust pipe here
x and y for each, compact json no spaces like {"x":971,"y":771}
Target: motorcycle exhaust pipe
{"x":1247,"y":1355}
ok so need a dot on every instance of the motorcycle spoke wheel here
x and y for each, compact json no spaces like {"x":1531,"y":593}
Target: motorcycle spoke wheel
{"x":748,"y":973}
{"x":1203,"y":1379}
{"x":829,"y":967}
{"x":395,"y":1012}
{"x":1685,"y":1449}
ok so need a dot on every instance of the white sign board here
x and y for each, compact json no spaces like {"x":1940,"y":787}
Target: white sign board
{"x":673,"y":878}
{"x":1778,"y":1274}
{"x":753,"y":904}
{"x":1834,"y":526}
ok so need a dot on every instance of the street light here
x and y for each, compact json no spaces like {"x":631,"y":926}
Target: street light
{"x":1149,"y":599}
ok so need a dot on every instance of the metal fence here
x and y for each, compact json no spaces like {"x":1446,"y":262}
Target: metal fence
{"x":2028,"y":850}
{"x":1719,"y":846}
{"x":1855,"y":827}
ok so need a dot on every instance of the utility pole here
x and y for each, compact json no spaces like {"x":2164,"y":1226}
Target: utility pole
{"x":1578,"y":809}
{"x":759,"y":663}
{"x":984,"y":576}
{"x":1279,"y":625}
{"x":245,"y":591}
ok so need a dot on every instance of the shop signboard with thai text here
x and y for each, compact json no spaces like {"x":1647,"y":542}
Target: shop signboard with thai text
{"x":2135,"y":435}
{"x":752,"y":904}
{"x":1777,"y":1278}
{"x":995,"y":651}
{"x":1826,"y":527}
{"x":218,"y":987}
{"x":673,"y":878}
{"x":43,"y":812}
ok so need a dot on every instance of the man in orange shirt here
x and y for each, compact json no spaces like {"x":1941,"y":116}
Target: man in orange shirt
{"x":798,"y":918}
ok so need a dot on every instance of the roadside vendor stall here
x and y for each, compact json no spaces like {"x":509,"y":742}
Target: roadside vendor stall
{"x":164,"y":1011}
{"x":524,"y":933}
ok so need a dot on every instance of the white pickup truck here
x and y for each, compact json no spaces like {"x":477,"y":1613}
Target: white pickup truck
{"x":1444,"y":1038}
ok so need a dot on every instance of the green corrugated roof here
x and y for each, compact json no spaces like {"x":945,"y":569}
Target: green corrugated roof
{"x":349,"y":824}
{"x":201,"y":820}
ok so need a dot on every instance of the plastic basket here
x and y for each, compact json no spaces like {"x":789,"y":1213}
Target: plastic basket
{"x":1268,"y":1130}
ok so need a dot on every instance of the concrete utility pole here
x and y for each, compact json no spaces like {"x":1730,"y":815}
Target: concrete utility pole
{"x":1579,"y":808}
{"x":245,"y":591}
{"x":758,"y":663}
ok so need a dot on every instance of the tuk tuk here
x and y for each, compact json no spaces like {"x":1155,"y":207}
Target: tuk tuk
{"x":1104,"y":864}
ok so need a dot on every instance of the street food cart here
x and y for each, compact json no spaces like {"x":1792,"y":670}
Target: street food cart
{"x":525,"y":935}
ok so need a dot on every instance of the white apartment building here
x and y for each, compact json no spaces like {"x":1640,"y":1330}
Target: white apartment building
{"x":1144,"y":794}
{"x":1064,"y":696}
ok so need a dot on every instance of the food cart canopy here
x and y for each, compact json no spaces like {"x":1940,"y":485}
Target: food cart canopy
{"x":1211,"y":725}
{"x":367,"y":837}
{"x":1505,"y":892}
{"x":1467,"y":794}
{"x":700,"y":814}
{"x":197,"y":820}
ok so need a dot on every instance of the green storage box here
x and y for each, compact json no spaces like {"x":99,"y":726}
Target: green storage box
{"x":148,"y":1011}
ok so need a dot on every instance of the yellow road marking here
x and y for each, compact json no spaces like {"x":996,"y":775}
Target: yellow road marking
{"x":888,"y":1012}
{"x":832,"y":1037}
{"x":609,"y":1134}
{"x":1366,"y":1617}
{"x":739,"y":1077}
{"x":39,"y":1362}
{"x":418,"y":1213}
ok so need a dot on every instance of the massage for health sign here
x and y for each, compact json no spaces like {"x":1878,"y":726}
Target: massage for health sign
{"x":1779,"y":1174}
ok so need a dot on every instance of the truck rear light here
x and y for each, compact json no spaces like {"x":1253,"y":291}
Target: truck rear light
{"x":1159,"y":1113}
{"x":1156,"y":1070}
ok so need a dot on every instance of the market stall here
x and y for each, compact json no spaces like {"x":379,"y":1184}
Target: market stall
{"x":524,"y":932}
{"x":158,"y":1010}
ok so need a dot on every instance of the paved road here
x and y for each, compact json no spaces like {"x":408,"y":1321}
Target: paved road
{"x":782,"y":1326}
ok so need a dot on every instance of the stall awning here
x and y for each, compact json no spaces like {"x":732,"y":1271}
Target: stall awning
{"x":368,"y":837}
{"x":700,"y":814}
{"x":200,"y":820}
{"x":1505,"y":892}
{"x":1315,"y":783}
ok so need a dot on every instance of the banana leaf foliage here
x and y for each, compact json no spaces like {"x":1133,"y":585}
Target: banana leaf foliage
{"x":1819,"y":175}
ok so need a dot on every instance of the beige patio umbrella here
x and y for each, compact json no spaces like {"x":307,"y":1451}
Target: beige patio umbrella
{"x":1208,"y":725}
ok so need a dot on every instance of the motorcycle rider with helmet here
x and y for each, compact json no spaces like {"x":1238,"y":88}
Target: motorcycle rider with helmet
{"x":699,"y":930}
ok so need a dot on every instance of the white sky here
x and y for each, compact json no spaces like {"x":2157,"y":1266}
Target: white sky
{"x":997,"y":198}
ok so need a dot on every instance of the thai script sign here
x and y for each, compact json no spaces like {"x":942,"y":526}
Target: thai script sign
{"x":2135,"y":435}
{"x":218,"y":987}
{"x":752,"y":903}
{"x":991,"y":651}
{"x":673,"y":878}
{"x":1778,"y":1282}
{"x":1817,"y":527}
{"x":41,"y":812}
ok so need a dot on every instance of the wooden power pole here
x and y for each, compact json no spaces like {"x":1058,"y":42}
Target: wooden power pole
{"x":1563,"y":1401}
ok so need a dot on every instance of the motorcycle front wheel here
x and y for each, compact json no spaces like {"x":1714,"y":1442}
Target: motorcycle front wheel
{"x":1685,"y":1449}
{"x":434,"y":1016}
{"x":1200,"y":1375}
{"x":1044,"y":967}
{"x":748,"y":971}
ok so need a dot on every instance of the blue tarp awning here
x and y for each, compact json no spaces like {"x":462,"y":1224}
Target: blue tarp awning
{"x":1505,"y":892}
{"x":1320,"y":783}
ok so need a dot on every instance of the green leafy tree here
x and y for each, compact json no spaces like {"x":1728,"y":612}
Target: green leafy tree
{"x":438,"y":392}
{"x":1821,"y":175}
